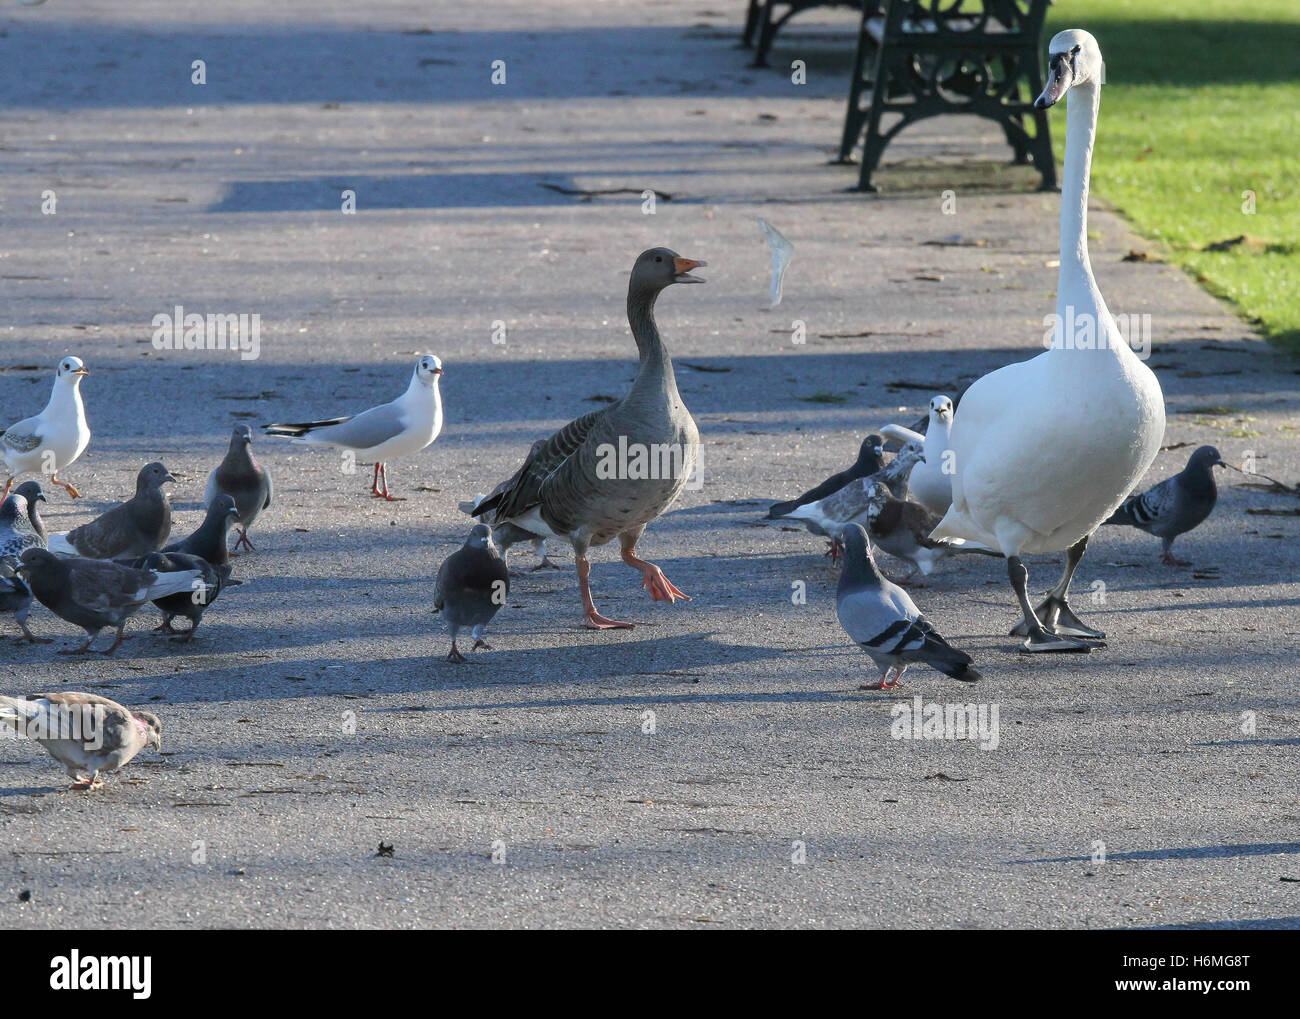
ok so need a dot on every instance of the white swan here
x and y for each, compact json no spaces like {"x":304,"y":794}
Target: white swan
{"x":1046,"y":449}
{"x":931,"y":483}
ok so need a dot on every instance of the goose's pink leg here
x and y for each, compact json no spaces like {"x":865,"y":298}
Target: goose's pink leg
{"x":595,"y":620}
{"x":653,"y":579}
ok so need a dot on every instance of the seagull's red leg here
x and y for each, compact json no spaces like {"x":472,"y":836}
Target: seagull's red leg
{"x":653,"y":579}
{"x":595,"y":620}
{"x":72,"y":491}
{"x":8,"y":485}
{"x":374,"y":483}
{"x":383,"y":475}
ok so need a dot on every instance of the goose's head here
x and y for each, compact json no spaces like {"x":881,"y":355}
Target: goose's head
{"x":662,"y":267}
{"x":941,"y":407}
{"x":427,"y":369}
{"x":70,"y":371}
{"x":1073,"y":58}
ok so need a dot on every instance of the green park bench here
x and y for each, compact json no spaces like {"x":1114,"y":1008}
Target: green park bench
{"x":926,"y":58}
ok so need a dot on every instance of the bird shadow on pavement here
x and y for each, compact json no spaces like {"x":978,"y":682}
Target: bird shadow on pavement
{"x":1187,"y":853}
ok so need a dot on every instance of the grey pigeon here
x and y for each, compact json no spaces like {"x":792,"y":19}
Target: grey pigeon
{"x":84,"y":732}
{"x":133,"y":528}
{"x":883,"y":620}
{"x":609,"y":473}
{"x":241,"y":477}
{"x":828,"y":516}
{"x":473,"y":584}
{"x":902,"y":528}
{"x":210,"y":540}
{"x":93,"y":594}
{"x":190,"y":604}
{"x":1176,"y":505}
{"x":870,"y":460}
{"x":20,"y":529}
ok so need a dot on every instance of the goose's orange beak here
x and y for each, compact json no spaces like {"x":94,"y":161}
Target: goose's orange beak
{"x":683,"y":266}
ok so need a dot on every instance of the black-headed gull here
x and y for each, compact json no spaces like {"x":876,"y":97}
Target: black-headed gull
{"x":54,"y":438}
{"x":396,"y":429}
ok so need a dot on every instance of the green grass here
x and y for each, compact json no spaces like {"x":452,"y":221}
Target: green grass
{"x":1202,"y":103}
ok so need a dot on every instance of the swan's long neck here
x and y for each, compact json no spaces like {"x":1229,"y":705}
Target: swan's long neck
{"x":1081,"y":105}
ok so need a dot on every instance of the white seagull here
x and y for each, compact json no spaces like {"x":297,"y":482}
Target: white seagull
{"x":54,"y":438}
{"x":400,"y":428}
{"x":931,"y":482}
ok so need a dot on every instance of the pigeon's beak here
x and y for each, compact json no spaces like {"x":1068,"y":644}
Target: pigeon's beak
{"x":168,"y":477}
{"x":41,"y":497}
{"x":1060,"y":76}
{"x":683,"y":267}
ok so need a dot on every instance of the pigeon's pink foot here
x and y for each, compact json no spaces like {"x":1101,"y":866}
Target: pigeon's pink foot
{"x":835,"y":551}
{"x":244,"y":542}
{"x":1169,"y":560}
{"x":88,"y":784}
{"x":480,"y":643}
{"x":455,"y":656}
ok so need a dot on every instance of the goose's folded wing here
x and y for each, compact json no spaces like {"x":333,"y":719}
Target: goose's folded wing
{"x":544,"y":460}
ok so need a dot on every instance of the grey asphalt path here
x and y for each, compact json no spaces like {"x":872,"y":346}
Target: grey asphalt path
{"x":265,"y":809}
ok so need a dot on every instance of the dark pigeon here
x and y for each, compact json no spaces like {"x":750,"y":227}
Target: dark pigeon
{"x":210,"y":540}
{"x":240,"y":476}
{"x":134,"y":528}
{"x":472,"y":586}
{"x":20,"y":529}
{"x":870,"y":459}
{"x":881,"y":617}
{"x":190,"y":604}
{"x":902,"y":528}
{"x":93,"y":593}
{"x":1176,"y":505}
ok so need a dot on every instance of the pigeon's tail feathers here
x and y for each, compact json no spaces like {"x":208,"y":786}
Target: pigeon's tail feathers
{"x":1124,"y":515}
{"x":780,"y":509}
{"x":176,"y":583}
{"x":959,"y":670}
{"x":299,"y":429}
{"x":59,"y":545}
{"x":805,"y":512}
{"x":16,"y":712}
